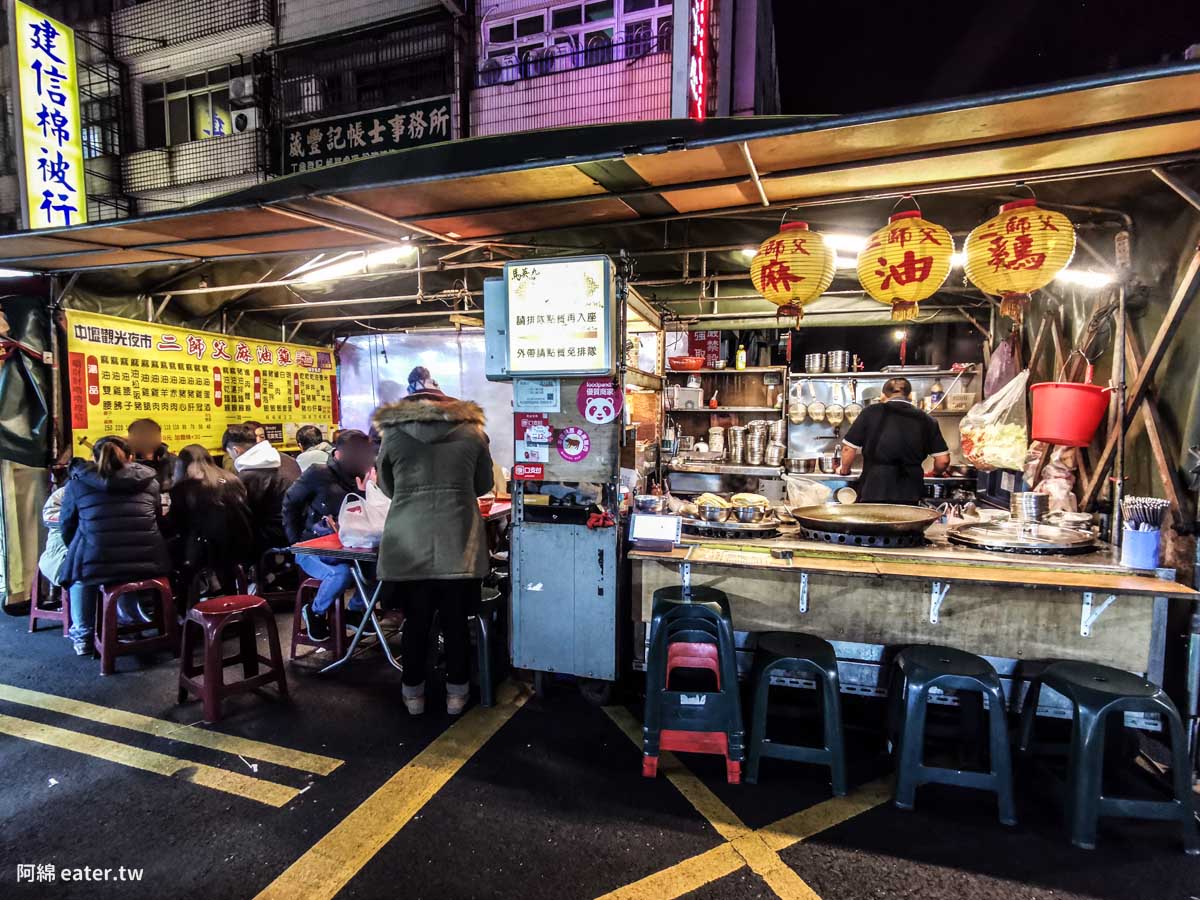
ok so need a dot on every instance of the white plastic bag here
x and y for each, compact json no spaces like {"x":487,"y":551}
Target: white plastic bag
{"x":805,"y":492}
{"x":994,"y":431}
{"x":361,"y":519}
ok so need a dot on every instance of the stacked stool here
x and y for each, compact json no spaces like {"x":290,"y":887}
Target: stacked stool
{"x":918,"y":670}
{"x":691,"y":629}
{"x":1095,"y":692}
{"x":781,"y":653}
{"x":212,"y":617}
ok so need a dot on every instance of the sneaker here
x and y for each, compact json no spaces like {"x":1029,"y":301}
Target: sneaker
{"x":316,"y":625}
{"x":414,"y":699}
{"x":353,"y":618}
{"x":82,"y":647}
{"x":457,"y":696}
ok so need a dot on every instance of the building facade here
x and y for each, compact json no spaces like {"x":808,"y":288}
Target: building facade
{"x":184,"y":100}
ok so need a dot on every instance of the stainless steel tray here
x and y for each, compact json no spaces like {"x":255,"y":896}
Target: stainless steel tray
{"x":1014,"y":537}
{"x":747,"y":528}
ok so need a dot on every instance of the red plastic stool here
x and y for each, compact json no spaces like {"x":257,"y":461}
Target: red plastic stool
{"x":107,"y":639}
{"x":694,"y":656}
{"x":213,"y":616}
{"x":337,"y":624}
{"x":42,"y":590}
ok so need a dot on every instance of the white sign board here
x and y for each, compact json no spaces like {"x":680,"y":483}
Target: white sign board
{"x":537,"y":395}
{"x":560,"y":316}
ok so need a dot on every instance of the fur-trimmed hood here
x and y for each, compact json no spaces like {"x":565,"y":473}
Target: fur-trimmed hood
{"x":429,"y":407}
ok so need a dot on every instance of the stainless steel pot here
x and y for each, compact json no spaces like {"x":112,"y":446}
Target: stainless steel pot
{"x":800,"y":466}
{"x":650,"y":503}
{"x":814,"y":362}
{"x":839,"y":361}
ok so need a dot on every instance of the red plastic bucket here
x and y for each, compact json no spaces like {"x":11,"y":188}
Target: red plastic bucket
{"x":1067,"y":414}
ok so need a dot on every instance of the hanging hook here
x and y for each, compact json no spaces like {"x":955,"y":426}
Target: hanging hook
{"x":1021,"y":184}
{"x":908,"y":197}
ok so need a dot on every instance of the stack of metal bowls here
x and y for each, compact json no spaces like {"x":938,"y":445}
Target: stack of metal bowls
{"x":778,"y":432}
{"x":716,"y":440}
{"x":756,"y":443}
{"x":814,"y":362}
{"x":1026,"y":506}
{"x":737,"y":444}
{"x":775,"y":453}
{"x":839,"y":361}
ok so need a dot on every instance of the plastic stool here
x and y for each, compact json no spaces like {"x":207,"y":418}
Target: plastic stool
{"x":42,"y":589}
{"x":213,"y":616}
{"x":798,"y":654}
{"x":107,"y":638}
{"x":1095,"y":692}
{"x":923,"y":667}
{"x":337,"y":626}
{"x":692,"y":721}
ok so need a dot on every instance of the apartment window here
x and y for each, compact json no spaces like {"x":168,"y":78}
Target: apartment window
{"x":192,"y":108}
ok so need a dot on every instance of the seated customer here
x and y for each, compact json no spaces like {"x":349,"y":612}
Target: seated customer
{"x":145,"y":439}
{"x":258,"y":465}
{"x":287,"y":465}
{"x":310,"y":511}
{"x":314,"y":449}
{"x":208,"y":526}
{"x":109,"y":521}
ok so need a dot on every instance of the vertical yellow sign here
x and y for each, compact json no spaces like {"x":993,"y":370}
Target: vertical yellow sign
{"x":51,"y":127}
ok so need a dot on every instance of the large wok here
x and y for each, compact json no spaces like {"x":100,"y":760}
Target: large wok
{"x":866,"y":518}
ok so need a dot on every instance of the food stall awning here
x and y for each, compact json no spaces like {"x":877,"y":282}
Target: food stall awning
{"x":468,"y":191}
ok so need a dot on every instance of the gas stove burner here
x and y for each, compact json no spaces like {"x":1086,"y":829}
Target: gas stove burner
{"x":717,"y":530}
{"x":912,"y":539}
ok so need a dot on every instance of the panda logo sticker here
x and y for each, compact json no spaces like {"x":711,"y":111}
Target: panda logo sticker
{"x":600,"y":401}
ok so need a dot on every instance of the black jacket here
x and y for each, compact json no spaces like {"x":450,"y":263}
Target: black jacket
{"x":210,"y":528}
{"x":111,"y":528}
{"x":163,"y":465}
{"x":319,"y":493}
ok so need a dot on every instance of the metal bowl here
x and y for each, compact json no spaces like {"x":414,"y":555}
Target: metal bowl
{"x":708,"y":512}
{"x":650,"y":503}
{"x":800,"y":466}
{"x":749,"y":514}
{"x":719,"y":364}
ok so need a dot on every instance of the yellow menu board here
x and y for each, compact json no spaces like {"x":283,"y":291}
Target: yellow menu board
{"x":193,"y":383}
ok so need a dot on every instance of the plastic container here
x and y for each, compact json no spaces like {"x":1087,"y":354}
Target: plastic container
{"x":740,"y":358}
{"x":1139,"y":549}
{"x":1068,"y":414}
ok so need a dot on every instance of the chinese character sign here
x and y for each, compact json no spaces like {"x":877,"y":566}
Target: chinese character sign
{"x":1019,"y":251}
{"x":698,"y":62}
{"x":560,"y":316}
{"x":793,"y":268}
{"x":905,"y":262}
{"x":312,"y":145}
{"x":193,"y":383}
{"x":55,"y":194}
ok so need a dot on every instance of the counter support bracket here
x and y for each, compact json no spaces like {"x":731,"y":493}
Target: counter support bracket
{"x":685,"y":579}
{"x":803,"y":592}
{"x":1090,"y":613}
{"x":937,"y":596}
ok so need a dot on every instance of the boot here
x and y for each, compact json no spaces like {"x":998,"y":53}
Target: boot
{"x":456,"y":698}
{"x":414,"y":698}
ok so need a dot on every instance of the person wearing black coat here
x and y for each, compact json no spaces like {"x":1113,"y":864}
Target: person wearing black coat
{"x":310,"y":510}
{"x":110,"y":524}
{"x":259,"y":466}
{"x":145,"y":439}
{"x":208,"y":526}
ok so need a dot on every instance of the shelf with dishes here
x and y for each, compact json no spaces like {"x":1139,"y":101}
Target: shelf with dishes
{"x":728,"y":409}
{"x":968,"y":372}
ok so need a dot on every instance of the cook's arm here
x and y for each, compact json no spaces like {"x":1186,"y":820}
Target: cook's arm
{"x":941,"y":462}
{"x":849,"y":455}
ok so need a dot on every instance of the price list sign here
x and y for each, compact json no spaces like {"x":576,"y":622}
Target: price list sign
{"x":193,"y":383}
{"x":560,"y":316}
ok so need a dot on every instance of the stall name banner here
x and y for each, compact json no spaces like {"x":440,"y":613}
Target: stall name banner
{"x":193,"y":383}
{"x":560,"y":316}
{"x":48,"y":114}
{"x":312,"y":145}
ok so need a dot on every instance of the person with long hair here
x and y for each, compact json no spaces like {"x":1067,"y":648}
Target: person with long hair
{"x":110,"y":524}
{"x":208,"y":527}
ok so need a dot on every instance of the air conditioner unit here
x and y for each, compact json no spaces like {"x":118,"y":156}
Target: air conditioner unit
{"x":245,"y":119}
{"x":565,"y":56}
{"x":540,"y":62}
{"x":640,"y":42}
{"x":242,"y":91}
{"x":500,"y":70}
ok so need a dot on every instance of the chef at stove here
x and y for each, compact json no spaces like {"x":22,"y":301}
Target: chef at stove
{"x":894,"y":438}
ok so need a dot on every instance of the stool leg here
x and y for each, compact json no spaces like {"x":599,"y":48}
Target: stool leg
{"x":1181,"y":776}
{"x":1001,"y":756}
{"x":169,"y":617}
{"x":831,"y":717}
{"x":248,"y":645}
{"x":214,"y":675}
{"x":185,"y":660}
{"x":1086,"y":768}
{"x":912,"y":747}
{"x":758,"y":724}
{"x":1029,"y":715}
{"x":106,"y":634}
{"x":484,"y":640}
{"x":276,"y":652}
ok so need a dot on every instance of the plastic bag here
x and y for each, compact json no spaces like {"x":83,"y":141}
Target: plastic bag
{"x":994,"y":432}
{"x":1003,"y":366}
{"x":805,"y":491}
{"x":361,"y":519}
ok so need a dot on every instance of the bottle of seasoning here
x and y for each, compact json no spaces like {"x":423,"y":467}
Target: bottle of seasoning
{"x":936,"y":393}
{"x":740,"y":359}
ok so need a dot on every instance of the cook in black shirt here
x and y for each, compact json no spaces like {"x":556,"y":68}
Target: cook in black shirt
{"x":894,"y":437}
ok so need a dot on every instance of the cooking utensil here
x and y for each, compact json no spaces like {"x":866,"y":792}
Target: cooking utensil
{"x":800,"y":466}
{"x":736,"y":435}
{"x":719,"y":364}
{"x":853,"y":408}
{"x":838,"y":361}
{"x":866,"y":518}
{"x":1021,"y":537}
{"x":775,"y":454}
{"x":650,"y":503}
{"x":778,"y":431}
{"x":1144,"y":513}
{"x":814,"y":363}
{"x":686,"y":363}
{"x":708,"y":512}
{"x":1027,"y":506}
{"x":749,"y":514}
{"x":847,"y":495}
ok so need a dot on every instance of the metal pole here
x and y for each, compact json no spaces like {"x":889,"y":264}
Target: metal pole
{"x":1119,"y":381}
{"x":55,"y":372}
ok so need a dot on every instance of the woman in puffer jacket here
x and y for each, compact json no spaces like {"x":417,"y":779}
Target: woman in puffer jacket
{"x":110,"y":523}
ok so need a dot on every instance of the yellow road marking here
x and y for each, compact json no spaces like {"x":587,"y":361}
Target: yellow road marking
{"x":256,"y":789}
{"x":187,"y":734}
{"x":744,"y":846}
{"x":330,"y":864}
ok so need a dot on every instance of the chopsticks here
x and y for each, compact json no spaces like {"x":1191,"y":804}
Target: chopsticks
{"x":1144,"y":513}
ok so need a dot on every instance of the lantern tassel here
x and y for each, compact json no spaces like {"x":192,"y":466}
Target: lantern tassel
{"x":1013,"y":306}
{"x":904,"y":310}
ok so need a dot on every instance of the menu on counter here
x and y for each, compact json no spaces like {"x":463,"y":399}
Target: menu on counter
{"x":560,"y":316}
{"x":193,"y":383}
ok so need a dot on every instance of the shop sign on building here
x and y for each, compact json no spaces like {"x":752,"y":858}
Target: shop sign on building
{"x":311,"y":145}
{"x":698,"y":62}
{"x":560,"y":316}
{"x":47,"y":99}
{"x":193,"y":383}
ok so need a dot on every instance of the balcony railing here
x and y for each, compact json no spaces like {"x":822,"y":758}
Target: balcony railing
{"x":553,"y":87}
{"x":146,"y":27}
{"x":195,"y":161}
